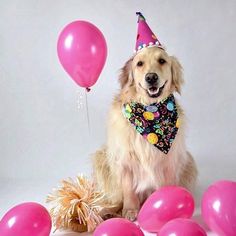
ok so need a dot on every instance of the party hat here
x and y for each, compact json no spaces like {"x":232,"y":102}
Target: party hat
{"x":145,"y":36}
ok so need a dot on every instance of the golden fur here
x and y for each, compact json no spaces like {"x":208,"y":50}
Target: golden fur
{"x":128,"y":168}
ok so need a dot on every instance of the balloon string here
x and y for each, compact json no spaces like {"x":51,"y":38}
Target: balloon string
{"x":87,"y":111}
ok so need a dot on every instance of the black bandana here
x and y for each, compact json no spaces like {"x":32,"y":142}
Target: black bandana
{"x":158,"y":123}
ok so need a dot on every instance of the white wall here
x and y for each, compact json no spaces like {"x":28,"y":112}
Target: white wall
{"x":42,"y":133}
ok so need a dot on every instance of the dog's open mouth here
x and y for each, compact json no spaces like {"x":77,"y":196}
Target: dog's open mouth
{"x":154,"y":91}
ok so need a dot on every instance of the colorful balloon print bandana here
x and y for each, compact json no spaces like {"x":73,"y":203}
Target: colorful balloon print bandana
{"x":158,"y":123}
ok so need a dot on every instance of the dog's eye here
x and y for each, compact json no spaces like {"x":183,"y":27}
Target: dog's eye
{"x":162,"y":61}
{"x":140,"y":63}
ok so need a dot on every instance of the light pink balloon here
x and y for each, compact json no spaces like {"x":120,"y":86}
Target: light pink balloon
{"x":219,"y":207}
{"x":82,"y":51}
{"x":118,"y":227}
{"x":163,"y":205}
{"x":182,"y":227}
{"x":26,"y":219}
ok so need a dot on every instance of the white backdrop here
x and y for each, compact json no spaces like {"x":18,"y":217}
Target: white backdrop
{"x":44,"y":137}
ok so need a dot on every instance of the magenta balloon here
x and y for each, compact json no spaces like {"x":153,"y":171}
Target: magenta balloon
{"x":118,"y":227}
{"x":163,"y":205}
{"x":182,"y":227}
{"x":82,"y":51}
{"x":219,"y":207}
{"x":26,"y":219}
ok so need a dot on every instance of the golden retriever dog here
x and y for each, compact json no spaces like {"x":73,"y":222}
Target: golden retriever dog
{"x":129,"y":168}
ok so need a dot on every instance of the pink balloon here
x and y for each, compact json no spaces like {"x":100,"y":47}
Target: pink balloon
{"x":26,"y":219}
{"x":219,"y":207}
{"x":82,"y":51}
{"x":117,"y":227}
{"x":163,"y":205}
{"x":182,"y":227}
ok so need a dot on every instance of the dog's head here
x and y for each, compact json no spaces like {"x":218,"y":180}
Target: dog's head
{"x":151,"y":75}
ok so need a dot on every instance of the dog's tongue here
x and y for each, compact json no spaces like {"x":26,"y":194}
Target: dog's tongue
{"x":152,"y":89}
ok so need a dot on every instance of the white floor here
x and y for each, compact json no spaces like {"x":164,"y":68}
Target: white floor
{"x":14,"y":192}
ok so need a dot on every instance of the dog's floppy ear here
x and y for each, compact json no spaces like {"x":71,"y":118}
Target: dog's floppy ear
{"x":177,"y":75}
{"x":126,"y":74}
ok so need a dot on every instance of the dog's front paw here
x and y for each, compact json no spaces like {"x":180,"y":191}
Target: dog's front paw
{"x":130,"y":214}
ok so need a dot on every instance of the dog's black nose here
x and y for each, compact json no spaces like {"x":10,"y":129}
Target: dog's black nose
{"x":151,"y":78}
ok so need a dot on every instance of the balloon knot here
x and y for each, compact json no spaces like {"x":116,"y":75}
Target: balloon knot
{"x":88,"y":89}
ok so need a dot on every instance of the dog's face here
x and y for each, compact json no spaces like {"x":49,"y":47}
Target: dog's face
{"x":153,"y":73}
